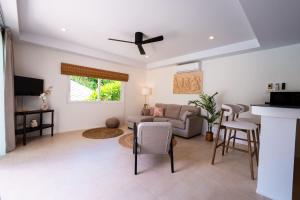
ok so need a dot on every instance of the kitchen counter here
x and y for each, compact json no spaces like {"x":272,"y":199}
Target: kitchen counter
{"x":279,"y":127}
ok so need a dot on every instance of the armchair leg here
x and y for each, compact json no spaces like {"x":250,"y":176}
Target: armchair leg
{"x":135,"y":163}
{"x":171,"y":156}
{"x":135,"y":147}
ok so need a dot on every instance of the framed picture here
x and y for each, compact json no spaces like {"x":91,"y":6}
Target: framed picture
{"x":188,"y":82}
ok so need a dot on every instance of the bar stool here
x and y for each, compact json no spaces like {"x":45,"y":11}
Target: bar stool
{"x":245,"y":108}
{"x":243,"y":126}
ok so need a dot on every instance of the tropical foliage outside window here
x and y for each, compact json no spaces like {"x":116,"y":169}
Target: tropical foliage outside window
{"x":94,"y":89}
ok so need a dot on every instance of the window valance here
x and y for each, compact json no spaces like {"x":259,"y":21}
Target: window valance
{"x":77,"y":70}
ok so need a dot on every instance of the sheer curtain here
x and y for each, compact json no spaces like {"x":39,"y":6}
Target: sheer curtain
{"x":9,"y":92}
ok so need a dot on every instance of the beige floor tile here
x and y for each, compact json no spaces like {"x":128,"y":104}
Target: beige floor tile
{"x":69,"y":166}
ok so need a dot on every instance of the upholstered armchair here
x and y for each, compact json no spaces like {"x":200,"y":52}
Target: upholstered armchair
{"x":153,"y":138}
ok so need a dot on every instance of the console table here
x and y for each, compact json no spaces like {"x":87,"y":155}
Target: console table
{"x":40,"y":127}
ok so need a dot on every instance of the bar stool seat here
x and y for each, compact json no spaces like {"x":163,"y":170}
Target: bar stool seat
{"x":252,"y":120}
{"x":243,"y":125}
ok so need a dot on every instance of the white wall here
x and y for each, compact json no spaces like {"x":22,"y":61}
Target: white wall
{"x":161,"y":82}
{"x":238,"y":79}
{"x":41,"y":62}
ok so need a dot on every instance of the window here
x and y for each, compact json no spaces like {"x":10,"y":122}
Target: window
{"x":94,"y":89}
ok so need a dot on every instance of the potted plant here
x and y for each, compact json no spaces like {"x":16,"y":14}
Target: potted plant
{"x":208,"y":103}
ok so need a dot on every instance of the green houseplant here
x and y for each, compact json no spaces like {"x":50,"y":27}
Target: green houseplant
{"x":208,"y":103}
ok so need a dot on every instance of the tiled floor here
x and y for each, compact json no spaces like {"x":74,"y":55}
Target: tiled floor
{"x":69,"y":166}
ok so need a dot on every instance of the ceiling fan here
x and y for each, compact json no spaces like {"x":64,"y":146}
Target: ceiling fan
{"x":139,"y":41}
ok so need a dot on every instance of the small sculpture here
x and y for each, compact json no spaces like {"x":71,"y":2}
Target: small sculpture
{"x":33,"y":123}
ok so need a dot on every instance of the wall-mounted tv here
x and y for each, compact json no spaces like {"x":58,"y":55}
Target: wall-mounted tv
{"x":25,"y":86}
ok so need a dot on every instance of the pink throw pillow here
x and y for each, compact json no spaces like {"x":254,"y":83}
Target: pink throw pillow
{"x":158,"y":112}
{"x":151,"y":111}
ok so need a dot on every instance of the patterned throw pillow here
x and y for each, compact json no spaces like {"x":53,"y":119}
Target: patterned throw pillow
{"x":158,"y":112}
{"x":185,"y":115}
{"x":151,"y":111}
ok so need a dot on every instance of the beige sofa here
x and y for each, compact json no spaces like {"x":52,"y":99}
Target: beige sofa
{"x":173,"y":113}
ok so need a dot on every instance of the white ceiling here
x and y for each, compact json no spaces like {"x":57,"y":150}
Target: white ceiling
{"x":276,"y":22}
{"x":185,"y":24}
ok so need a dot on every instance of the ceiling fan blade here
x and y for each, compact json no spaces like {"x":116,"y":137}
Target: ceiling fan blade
{"x":120,"y":40}
{"x":155,"y":39}
{"x":141,"y":49}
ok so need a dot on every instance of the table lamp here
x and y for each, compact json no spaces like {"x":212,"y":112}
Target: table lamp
{"x":146,"y":92}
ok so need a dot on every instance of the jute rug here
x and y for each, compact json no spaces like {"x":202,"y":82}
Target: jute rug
{"x":102,"y":133}
{"x":127,"y":141}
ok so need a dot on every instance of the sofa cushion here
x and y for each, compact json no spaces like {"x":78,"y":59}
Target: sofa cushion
{"x":185,"y":115}
{"x":192,"y":109}
{"x":140,"y":119}
{"x":161,"y":119}
{"x":177,"y":123}
{"x":173,"y":111}
{"x":161,"y":105}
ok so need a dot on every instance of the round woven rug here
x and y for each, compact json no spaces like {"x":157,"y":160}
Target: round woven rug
{"x":102,"y":133}
{"x":127,"y":141}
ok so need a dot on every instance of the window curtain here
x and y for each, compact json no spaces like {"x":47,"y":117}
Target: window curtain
{"x":9,"y":91}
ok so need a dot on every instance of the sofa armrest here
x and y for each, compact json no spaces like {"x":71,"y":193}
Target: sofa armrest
{"x":194,"y":125}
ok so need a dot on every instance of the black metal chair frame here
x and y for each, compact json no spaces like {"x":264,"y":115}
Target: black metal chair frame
{"x":135,"y":152}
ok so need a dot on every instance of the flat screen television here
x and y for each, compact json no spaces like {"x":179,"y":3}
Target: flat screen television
{"x":25,"y":86}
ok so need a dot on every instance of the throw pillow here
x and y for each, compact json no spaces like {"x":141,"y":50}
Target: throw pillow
{"x":158,"y":112}
{"x":185,"y":115}
{"x":146,"y":111}
{"x":151,"y":111}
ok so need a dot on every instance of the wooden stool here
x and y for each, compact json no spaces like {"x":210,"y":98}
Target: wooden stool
{"x":246,"y":127}
{"x":245,"y":108}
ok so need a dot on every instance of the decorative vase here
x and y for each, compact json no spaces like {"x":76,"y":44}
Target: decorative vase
{"x":209,"y":136}
{"x":44,"y":105}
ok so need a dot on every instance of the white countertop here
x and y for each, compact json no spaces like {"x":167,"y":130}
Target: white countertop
{"x":275,"y":111}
